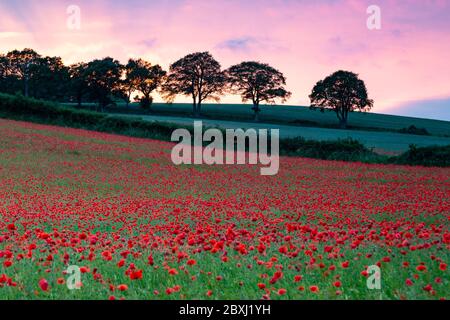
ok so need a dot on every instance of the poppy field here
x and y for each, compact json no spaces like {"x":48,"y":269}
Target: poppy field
{"x":138,"y":227}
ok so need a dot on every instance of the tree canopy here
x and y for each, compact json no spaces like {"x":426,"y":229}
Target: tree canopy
{"x":343,"y":92}
{"x":102,"y":77}
{"x":197,"y":75}
{"x":257,"y":82}
{"x":21,"y":65}
{"x":144,"y":78}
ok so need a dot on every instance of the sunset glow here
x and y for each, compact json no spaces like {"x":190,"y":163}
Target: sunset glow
{"x":404,"y":62}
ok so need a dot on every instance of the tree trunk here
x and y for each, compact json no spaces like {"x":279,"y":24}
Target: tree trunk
{"x":128,"y":100}
{"x":26,"y":87}
{"x":343,"y":123}
{"x":257,"y":111}
{"x":194,"y":106}
{"x":199,"y":108}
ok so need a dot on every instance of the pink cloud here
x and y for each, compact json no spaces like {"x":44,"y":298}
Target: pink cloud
{"x":405,"y":60}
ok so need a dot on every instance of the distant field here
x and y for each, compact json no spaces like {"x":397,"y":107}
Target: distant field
{"x":376,"y":131}
{"x":301,"y":116}
{"x":305,"y":116}
{"x":381,"y":141}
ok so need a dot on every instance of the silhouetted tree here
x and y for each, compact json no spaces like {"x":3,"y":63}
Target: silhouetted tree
{"x":197,"y":75}
{"x":8,"y":82}
{"x":20,"y":65}
{"x":144,"y":78}
{"x":50,"y":79}
{"x":127,"y":84}
{"x":3,"y":67}
{"x":78,"y":82}
{"x":342,"y":92}
{"x":102,"y":77}
{"x":257,"y":82}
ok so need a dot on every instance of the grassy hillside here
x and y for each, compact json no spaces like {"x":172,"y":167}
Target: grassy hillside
{"x":385,"y":142}
{"x":21,"y":108}
{"x":302,"y":116}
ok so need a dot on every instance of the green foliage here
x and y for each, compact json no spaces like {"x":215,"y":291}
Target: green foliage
{"x":146,"y":103}
{"x":431,"y":156}
{"x":341,"y":149}
{"x":102,"y":79}
{"x":412,"y":129}
{"x":141,"y":76}
{"x":21,"y":108}
{"x":33,"y":75}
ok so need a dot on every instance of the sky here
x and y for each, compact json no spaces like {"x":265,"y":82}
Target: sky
{"x":405,"y":64}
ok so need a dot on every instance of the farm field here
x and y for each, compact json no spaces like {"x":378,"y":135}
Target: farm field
{"x":141,"y":228}
{"x":381,"y":141}
{"x":293,"y":115}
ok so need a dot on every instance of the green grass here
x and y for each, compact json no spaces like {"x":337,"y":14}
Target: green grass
{"x":297,"y":115}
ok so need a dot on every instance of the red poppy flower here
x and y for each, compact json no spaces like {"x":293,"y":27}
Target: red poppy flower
{"x":428,"y":288}
{"x":122,"y":287}
{"x":421,"y":268}
{"x":84,"y":269}
{"x":314,"y":289}
{"x":191,"y":262}
{"x":337,"y":284}
{"x":173,"y":272}
{"x":282,"y":292}
{"x":43,"y":284}
{"x":136,"y":275}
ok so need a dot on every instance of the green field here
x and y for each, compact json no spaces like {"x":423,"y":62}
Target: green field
{"x":375,"y":131}
{"x":296,"y":115}
{"x":292,"y":115}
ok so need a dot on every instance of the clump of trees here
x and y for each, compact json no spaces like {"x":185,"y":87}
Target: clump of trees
{"x":31,"y":74}
{"x":102,"y":81}
{"x":197,"y":75}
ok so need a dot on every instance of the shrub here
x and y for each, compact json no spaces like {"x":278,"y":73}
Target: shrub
{"x":20,"y":108}
{"x":438,"y":156}
{"x":342,"y":149}
{"x":145,"y":103}
{"x":414,"y":130}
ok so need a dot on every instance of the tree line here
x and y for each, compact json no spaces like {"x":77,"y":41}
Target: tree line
{"x":198,"y":76}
